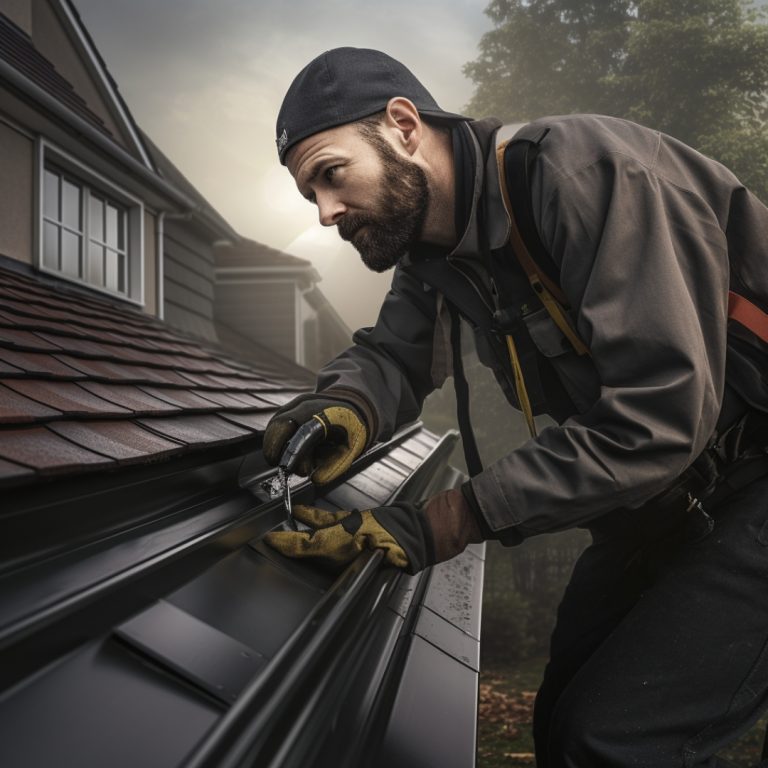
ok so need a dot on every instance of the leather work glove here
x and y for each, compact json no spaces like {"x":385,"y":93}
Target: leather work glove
{"x":412,"y":536}
{"x":346,"y":435}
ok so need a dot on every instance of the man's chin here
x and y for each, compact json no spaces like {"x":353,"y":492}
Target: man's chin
{"x":374,"y":254}
{"x":377,"y":262}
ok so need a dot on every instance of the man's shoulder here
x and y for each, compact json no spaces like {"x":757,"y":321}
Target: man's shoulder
{"x":570,"y":142}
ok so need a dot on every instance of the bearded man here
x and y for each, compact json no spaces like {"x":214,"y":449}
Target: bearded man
{"x":637,"y":327}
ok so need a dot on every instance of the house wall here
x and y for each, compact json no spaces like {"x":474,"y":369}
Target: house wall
{"x":50,"y":38}
{"x":19,"y":12}
{"x":16,"y":193}
{"x":329,"y":340}
{"x":264,"y":311}
{"x":189,"y":280}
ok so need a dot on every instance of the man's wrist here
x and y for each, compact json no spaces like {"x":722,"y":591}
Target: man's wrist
{"x":509,"y":537}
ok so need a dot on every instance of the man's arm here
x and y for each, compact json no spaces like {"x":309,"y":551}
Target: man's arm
{"x":389,"y":365}
{"x":644,"y":265}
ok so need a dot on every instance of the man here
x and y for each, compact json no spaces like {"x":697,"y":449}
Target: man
{"x":660,"y":653}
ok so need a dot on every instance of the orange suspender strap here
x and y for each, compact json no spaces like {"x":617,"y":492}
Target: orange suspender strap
{"x":740,"y":309}
{"x":747,"y":314}
{"x":550,"y":294}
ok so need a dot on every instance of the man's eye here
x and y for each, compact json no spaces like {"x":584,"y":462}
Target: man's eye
{"x":330,"y":172}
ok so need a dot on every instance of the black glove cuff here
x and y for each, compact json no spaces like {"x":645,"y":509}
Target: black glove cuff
{"x":508,"y":537}
{"x":409,"y":527}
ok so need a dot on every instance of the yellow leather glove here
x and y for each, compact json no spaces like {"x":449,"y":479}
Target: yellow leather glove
{"x":346,"y":436}
{"x":412,"y":536}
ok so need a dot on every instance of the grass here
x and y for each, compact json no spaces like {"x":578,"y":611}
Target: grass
{"x":506,"y":708}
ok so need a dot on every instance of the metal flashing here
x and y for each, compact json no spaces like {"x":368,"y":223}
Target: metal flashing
{"x":220,"y":665}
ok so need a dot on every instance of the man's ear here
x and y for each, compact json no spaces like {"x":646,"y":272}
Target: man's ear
{"x":403,"y":119}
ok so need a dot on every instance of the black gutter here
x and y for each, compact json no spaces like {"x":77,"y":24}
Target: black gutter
{"x":270,"y":723}
{"x":46,"y":605}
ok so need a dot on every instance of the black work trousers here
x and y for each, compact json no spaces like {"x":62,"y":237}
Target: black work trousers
{"x":659,"y":657}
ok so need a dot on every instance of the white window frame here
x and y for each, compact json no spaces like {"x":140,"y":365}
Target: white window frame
{"x":92,"y":180}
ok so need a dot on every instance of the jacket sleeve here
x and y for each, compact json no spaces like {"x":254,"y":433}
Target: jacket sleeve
{"x":389,"y":365}
{"x":643,"y":262}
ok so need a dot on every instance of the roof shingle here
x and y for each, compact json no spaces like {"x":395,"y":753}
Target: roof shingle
{"x":89,"y":383}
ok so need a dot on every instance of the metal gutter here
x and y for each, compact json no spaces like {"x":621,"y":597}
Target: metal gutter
{"x":274,"y":721}
{"x":104,"y":143}
{"x":87,"y":582}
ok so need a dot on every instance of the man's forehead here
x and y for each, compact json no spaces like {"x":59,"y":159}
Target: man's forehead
{"x":334,"y":141}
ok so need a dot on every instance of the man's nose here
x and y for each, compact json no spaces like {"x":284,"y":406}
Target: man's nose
{"x":330,"y":209}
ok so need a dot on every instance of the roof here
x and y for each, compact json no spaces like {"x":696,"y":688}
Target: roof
{"x":88,"y":384}
{"x":158,"y":586}
{"x":175,"y":177}
{"x":18,"y":50}
{"x":254,"y":255}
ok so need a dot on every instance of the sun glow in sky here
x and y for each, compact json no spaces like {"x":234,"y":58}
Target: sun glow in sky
{"x":205,"y":79}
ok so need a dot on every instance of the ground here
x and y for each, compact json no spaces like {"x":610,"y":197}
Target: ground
{"x":506,"y":707}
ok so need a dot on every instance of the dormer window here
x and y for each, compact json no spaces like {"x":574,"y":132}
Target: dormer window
{"x":91,"y":231}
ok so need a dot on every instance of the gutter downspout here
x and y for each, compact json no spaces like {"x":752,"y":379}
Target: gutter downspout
{"x":160,"y":264}
{"x":160,"y":255}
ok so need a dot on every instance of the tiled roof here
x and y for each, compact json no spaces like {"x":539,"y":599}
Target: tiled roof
{"x":17,"y":48}
{"x":89,"y":384}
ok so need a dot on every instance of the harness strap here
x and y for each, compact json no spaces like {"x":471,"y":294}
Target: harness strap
{"x":471,"y":453}
{"x":747,"y":314}
{"x":521,"y":389}
{"x":550,"y":294}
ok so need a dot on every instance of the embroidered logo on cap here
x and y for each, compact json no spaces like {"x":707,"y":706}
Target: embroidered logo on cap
{"x":282,"y":141}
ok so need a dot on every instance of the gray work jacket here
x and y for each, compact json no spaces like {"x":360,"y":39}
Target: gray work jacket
{"x":647,"y":234}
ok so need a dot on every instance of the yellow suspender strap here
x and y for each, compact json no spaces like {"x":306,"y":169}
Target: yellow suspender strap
{"x":556,"y":313}
{"x":522,"y":392}
{"x":550,"y":294}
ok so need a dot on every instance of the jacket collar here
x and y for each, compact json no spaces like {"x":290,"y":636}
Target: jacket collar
{"x":487,"y":209}
{"x":487,"y":213}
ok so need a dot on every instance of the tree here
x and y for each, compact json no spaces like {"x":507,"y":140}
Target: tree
{"x":696,"y":69}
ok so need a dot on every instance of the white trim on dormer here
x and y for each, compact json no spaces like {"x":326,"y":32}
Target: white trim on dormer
{"x":105,"y":82}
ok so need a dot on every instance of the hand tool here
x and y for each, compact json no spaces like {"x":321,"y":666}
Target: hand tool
{"x":306,"y":437}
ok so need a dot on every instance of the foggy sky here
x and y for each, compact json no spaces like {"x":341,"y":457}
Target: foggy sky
{"x":205,"y":79}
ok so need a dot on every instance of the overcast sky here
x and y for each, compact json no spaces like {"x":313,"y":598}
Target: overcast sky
{"x":205,"y":79}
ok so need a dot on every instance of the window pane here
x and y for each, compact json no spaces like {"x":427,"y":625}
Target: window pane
{"x":112,"y":271}
{"x":51,"y":195}
{"x":96,"y":220}
{"x":121,"y":286}
{"x":95,"y":264}
{"x":50,"y":245}
{"x":115,"y":227}
{"x":71,"y":205}
{"x":70,"y":253}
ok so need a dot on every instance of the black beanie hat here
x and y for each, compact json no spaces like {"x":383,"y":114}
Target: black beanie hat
{"x":344,"y":85}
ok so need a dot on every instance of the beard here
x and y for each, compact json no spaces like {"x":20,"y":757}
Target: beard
{"x":383,"y":237}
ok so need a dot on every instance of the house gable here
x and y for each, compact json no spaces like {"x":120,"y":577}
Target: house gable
{"x":57,"y":32}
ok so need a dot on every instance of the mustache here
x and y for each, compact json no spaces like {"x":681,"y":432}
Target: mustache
{"x":350,"y":223}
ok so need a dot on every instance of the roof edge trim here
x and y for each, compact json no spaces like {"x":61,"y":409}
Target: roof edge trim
{"x":105,"y":80}
{"x":146,"y":175}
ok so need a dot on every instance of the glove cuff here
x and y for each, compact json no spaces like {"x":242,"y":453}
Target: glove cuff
{"x":409,"y":527}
